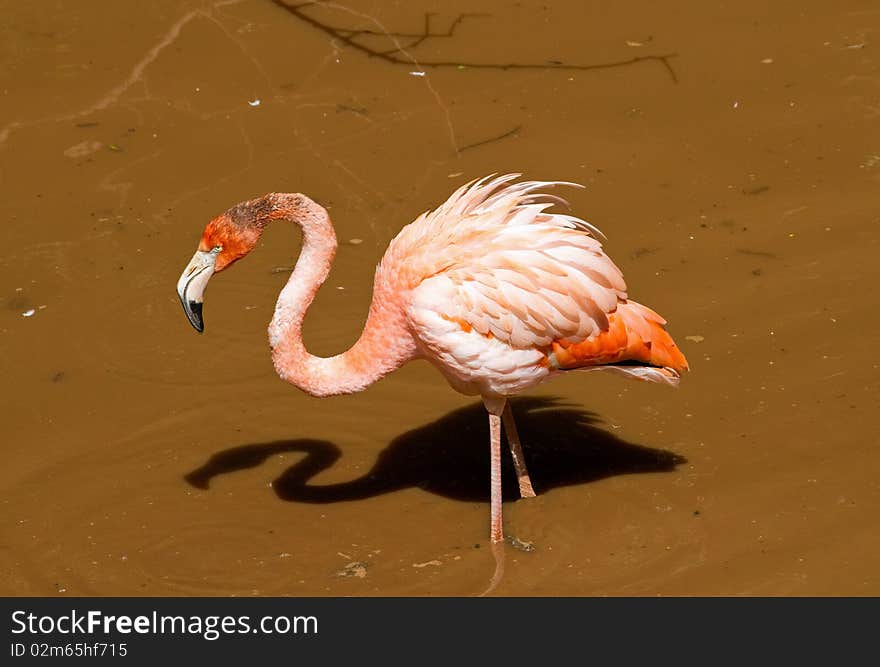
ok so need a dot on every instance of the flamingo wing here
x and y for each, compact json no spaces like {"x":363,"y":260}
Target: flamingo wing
{"x":528,"y":284}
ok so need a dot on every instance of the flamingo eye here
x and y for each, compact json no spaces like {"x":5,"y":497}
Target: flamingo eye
{"x":217,"y":249}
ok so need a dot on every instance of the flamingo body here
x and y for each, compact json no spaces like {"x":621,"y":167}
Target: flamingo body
{"x":501,"y":295}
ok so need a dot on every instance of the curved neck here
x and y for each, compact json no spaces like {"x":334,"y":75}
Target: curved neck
{"x":384,"y":345}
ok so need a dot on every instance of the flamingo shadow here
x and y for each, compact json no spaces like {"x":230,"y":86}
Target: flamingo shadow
{"x":449,"y":457}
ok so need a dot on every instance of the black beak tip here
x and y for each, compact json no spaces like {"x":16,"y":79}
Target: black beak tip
{"x":194,"y":313}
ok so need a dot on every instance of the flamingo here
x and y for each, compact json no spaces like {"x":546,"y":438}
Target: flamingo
{"x":493,"y":289}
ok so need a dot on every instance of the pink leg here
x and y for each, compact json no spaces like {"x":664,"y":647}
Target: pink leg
{"x":519,"y":461}
{"x":496,"y":533}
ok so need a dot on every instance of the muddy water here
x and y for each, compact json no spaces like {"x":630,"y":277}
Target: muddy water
{"x":731,"y":155}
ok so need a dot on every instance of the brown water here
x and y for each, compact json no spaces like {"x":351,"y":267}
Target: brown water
{"x":731,"y":155}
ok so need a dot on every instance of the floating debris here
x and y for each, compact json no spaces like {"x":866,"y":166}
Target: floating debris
{"x":361,"y":111}
{"x":83,"y":148}
{"x":767,"y":61}
{"x":254,"y":103}
{"x":641,"y":252}
{"x":792,"y":211}
{"x":630,"y":42}
{"x":695,"y":338}
{"x":417,"y":73}
{"x":757,"y":253}
{"x":355,"y":241}
{"x":357,"y":569}
{"x":433,"y":563}
{"x":871,"y":160}
{"x":29,"y":313}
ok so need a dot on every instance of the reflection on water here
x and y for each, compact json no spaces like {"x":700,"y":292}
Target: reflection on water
{"x":734,"y":176}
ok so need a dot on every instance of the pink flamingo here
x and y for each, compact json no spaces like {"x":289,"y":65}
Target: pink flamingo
{"x":495,"y":291}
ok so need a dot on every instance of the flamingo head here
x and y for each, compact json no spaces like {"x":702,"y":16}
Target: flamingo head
{"x":226,"y":239}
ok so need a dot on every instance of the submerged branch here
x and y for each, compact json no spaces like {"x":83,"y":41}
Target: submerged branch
{"x":398,"y":55}
{"x":490,"y":140}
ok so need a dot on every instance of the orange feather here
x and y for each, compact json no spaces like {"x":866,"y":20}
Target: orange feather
{"x":635,"y":333}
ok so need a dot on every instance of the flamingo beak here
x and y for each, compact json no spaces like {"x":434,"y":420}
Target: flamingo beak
{"x":192,"y":283}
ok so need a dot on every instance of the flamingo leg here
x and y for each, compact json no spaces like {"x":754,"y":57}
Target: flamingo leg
{"x":496,"y":532}
{"x":495,"y":407}
{"x":519,"y":461}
